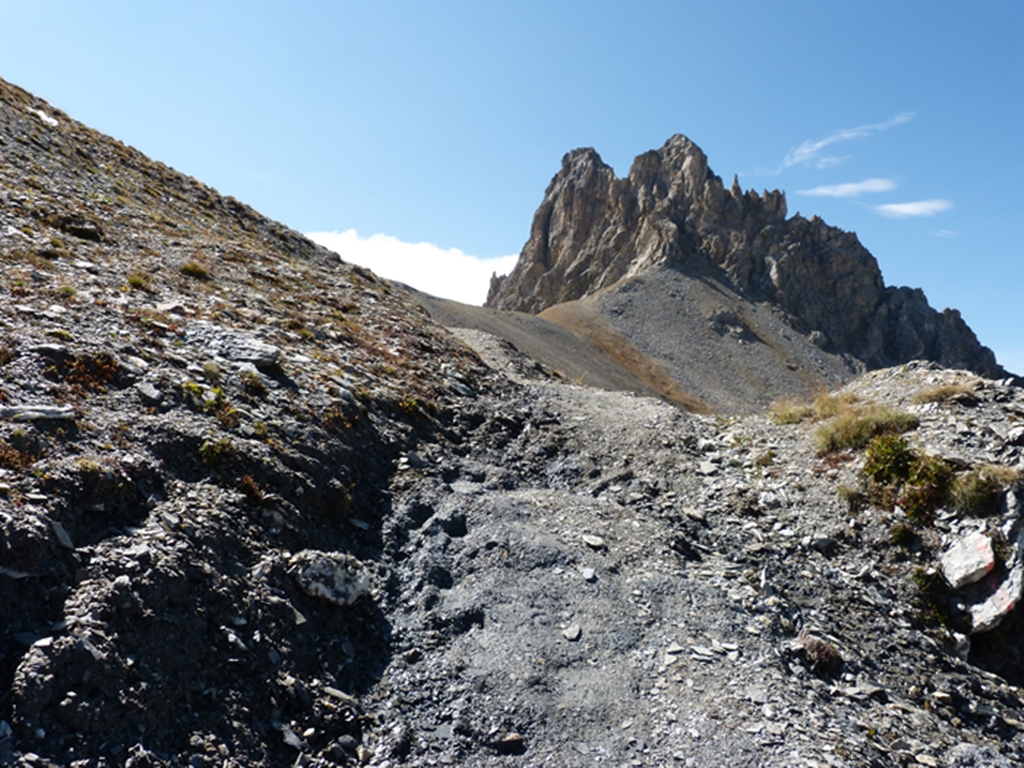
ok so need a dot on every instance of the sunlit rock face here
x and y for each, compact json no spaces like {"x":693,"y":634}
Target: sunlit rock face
{"x":593,"y":229}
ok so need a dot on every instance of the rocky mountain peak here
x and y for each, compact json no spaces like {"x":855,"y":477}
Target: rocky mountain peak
{"x":593,"y":229}
{"x":256,"y":509}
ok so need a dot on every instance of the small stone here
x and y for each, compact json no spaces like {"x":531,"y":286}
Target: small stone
{"x":62,"y":535}
{"x":572,"y":633}
{"x":347,"y":742}
{"x":171,"y":307}
{"x":293,"y":740}
{"x":589,"y":574}
{"x":694,"y":514}
{"x":707,"y":468}
{"x":364,"y":754}
{"x":512,"y":744}
{"x":821,"y":543}
{"x":148,"y":392}
{"x":595,"y":542}
{"x":757,"y":695}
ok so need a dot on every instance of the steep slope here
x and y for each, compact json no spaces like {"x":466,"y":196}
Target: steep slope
{"x":256,"y":509}
{"x":199,"y":411}
{"x":593,"y":229}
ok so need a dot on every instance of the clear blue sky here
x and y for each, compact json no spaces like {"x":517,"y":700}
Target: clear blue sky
{"x":443,"y":122}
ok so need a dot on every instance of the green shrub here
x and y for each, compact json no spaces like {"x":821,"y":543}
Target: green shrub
{"x":902,"y":535}
{"x":253,"y":384}
{"x":897,"y":474}
{"x":213,"y":453}
{"x":888,"y":459}
{"x":926,"y":487}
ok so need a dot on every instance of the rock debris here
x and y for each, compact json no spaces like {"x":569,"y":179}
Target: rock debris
{"x":257,"y":510}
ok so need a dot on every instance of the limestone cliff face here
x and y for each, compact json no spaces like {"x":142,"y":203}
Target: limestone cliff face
{"x":593,"y":229}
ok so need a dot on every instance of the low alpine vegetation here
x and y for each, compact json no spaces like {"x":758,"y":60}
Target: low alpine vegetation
{"x":942,"y":393}
{"x":853,"y":428}
{"x":977,"y":492}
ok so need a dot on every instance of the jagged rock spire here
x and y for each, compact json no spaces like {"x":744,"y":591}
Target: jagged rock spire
{"x":593,"y":229}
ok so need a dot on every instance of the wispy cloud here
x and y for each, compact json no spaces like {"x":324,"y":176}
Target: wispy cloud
{"x":918,"y":208}
{"x":810,"y":152}
{"x":852,"y":189}
{"x":447,"y":273}
{"x":947,"y":233}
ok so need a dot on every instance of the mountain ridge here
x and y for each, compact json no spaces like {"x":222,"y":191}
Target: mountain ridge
{"x":593,"y":229}
{"x":257,"y":509}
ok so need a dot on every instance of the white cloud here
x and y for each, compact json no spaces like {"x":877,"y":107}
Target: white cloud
{"x":828,"y":162}
{"x":447,"y":273}
{"x":947,"y":233}
{"x":852,"y":189}
{"x":809,"y":153}
{"x":919,"y":208}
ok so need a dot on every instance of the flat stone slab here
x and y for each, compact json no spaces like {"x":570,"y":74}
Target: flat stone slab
{"x":987,"y":615}
{"x":37,"y":412}
{"x":968,"y":560}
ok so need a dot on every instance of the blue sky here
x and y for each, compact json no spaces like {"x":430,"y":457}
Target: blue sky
{"x":436,"y":126}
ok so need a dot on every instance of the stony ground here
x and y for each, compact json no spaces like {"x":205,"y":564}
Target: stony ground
{"x":257,"y":510}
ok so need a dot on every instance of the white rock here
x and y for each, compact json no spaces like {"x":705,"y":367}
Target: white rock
{"x":968,"y":560}
{"x":36,"y":412}
{"x":987,"y":615}
{"x":336,"y":577}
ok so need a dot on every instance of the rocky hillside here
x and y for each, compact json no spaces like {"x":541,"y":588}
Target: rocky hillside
{"x":256,"y":509}
{"x":593,"y":230}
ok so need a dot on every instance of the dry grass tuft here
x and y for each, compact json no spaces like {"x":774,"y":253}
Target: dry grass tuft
{"x":853,"y":428}
{"x":824,"y":406}
{"x":977,"y":492}
{"x":945,"y":392}
{"x":195,"y":270}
